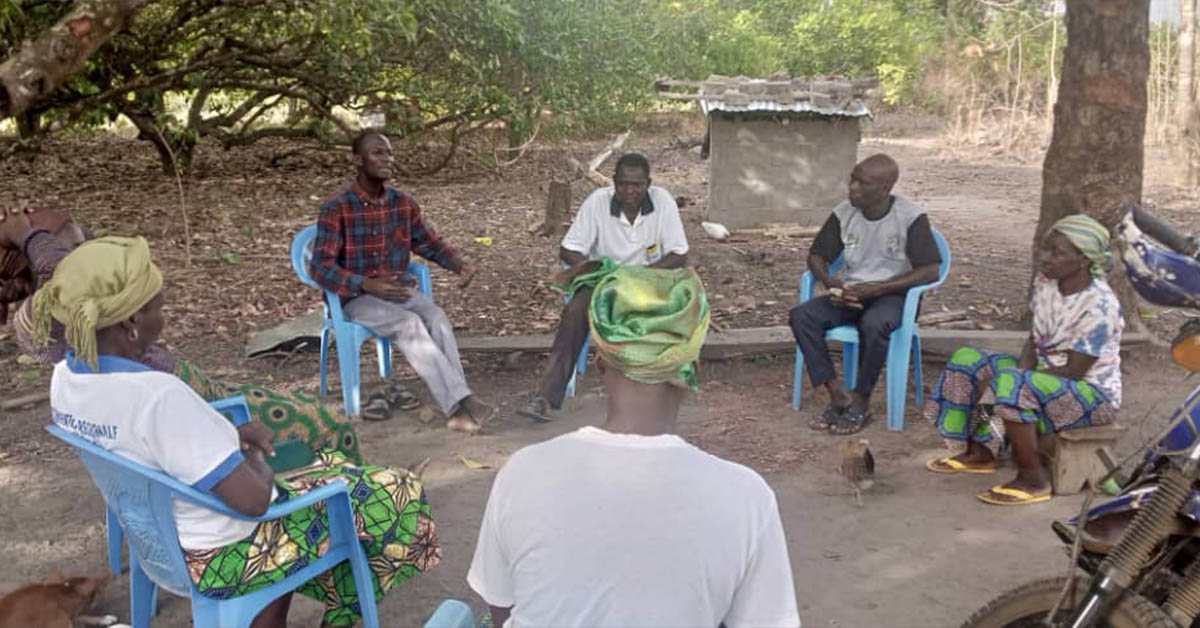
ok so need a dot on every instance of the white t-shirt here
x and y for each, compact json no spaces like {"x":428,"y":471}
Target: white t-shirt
{"x":156,"y":420}
{"x":595,"y":529}
{"x":596,"y":233}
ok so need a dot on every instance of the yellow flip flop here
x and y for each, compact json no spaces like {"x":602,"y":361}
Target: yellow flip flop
{"x":1020,"y":498}
{"x":950,"y":465}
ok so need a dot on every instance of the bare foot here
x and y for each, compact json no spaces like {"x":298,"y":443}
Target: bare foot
{"x":462,"y":422}
{"x":477,"y":410}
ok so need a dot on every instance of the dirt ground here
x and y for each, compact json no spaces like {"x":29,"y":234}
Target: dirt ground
{"x":921,"y":552}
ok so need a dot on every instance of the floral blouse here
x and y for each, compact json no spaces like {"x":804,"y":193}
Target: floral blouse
{"x":1087,"y":322}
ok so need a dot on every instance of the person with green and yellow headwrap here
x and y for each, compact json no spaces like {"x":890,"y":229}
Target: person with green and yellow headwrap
{"x":108,"y":295}
{"x":33,"y":243}
{"x":1067,"y":376}
{"x":627,"y":524}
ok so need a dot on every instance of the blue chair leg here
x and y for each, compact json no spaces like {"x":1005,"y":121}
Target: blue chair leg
{"x":850,"y":364}
{"x":899,"y":350}
{"x":580,"y":367}
{"x":142,"y":592}
{"x":347,"y":353}
{"x":116,"y":538}
{"x":797,"y":379}
{"x":324,"y":360}
{"x":451,"y":614}
{"x":918,"y":381}
{"x":383,"y":348}
{"x":341,"y":518}
{"x":583,"y":355}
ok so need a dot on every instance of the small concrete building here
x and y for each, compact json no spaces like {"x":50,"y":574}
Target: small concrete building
{"x":780,"y":149}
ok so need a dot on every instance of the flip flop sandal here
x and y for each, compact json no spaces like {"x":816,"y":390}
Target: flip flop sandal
{"x":950,"y":465}
{"x":377,"y":408}
{"x":831,"y":415}
{"x":851,"y":422}
{"x":400,"y":398}
{"x":1017,"y":496}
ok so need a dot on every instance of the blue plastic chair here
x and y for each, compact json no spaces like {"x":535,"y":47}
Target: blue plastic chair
{"x":451,"y":614}
{"x":905,"y":341}
{"x":349,"y":335}
{"x":143,"y":502}
{"x":581,"y":363}
{"x":238,"y":412}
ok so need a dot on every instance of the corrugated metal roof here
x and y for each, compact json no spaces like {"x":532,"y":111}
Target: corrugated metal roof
{"x":856,"y":108}
{"x":826,"y":97}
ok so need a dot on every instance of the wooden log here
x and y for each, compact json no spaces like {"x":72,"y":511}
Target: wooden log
{"x":934,"y":318}
{"x":579,"y":170}
{"x":558,"y":203}
{"x":614,"y":146}
{"x":935,"y":343}
{"x":25,"y":400}
{"x":778,"y":231}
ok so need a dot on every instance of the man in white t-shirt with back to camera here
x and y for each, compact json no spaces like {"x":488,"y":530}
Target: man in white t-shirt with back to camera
{"x":634,"y":224}
{"x":628,"y":524}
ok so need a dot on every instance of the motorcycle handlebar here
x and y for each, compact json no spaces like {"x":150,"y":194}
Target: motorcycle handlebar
{"x":1164,"y":233}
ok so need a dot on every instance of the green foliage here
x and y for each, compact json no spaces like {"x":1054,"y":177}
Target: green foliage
{"x":235,"y":71}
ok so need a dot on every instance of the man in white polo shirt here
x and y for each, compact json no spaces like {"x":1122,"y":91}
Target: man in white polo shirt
{"x":634,"y":224}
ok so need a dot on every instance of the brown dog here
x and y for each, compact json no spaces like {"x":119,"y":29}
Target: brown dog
{"x":58,"y":603}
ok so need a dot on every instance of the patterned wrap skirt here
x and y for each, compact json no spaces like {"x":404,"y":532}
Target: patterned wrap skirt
{"x":980,"y":390}
{"x":394,"y":523}
{"x":289,"y":415}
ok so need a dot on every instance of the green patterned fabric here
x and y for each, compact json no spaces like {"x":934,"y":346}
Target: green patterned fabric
{"x":1091,"y":238}
{"x":395,"y":527}
{"x":649,"y":323}
{"x":289,"y":415}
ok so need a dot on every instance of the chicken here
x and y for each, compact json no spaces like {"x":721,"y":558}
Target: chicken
{"x":715,"y":230}
{"x":858,"y":466}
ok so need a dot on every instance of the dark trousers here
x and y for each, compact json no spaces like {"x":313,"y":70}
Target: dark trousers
{"x":876,"y":321}
{"x":573,"y":330}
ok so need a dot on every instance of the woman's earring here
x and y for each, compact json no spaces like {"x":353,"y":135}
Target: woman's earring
{"x":133,"y":334}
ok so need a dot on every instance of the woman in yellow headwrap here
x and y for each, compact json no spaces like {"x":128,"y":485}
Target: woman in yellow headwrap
{"x":108,"y":295}
{"x":1067,"y":376}
{"x":33,"y":242}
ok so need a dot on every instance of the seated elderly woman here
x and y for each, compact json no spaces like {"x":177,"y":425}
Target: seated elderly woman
{"x":33,"y":242}
{"x":108,"y":296}
{"x":1067,"y":376}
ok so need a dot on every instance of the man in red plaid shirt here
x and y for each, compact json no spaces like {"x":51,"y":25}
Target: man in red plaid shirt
{"x":365,"y":235}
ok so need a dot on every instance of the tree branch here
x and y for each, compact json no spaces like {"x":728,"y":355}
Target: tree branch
{"x":56,"y":56}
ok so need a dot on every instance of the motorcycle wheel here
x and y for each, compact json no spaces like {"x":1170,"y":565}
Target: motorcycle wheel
{"x":1027,"y":606}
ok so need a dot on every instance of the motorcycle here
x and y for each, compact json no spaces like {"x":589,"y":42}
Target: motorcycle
{"x":1138,"y":551}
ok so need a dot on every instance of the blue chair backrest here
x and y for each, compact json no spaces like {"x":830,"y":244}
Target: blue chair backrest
{"x":806,"y":281}
{"x":143,"y":500}
{"x":302,"y":247}
{"x":944,"y":252}
{"x":302,"y":251}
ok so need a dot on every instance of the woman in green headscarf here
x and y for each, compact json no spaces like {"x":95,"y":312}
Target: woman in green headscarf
{"x":1067,"y":376}
{"x":107,"y":294}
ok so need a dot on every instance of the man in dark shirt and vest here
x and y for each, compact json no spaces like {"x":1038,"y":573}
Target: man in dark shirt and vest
{"x":365,"y":235}
{"x":888,"y":247}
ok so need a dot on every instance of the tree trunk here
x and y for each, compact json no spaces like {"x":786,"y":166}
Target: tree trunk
{"x":175,"y":156}
{"x":1094,"y":163}
{"x":1186,"y":84}
{"x":47,"y":63}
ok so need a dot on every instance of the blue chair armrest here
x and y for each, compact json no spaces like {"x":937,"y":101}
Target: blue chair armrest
{"x":424,"y":278}
{"x":212,"y":502}
{"x":234,"y":406}
{"x":807,"y":279}
{"x":806,"y":286}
